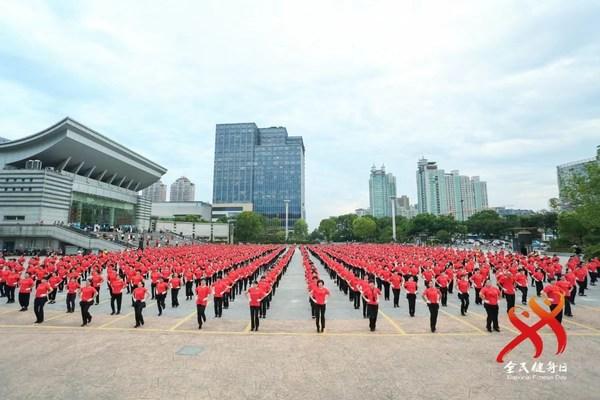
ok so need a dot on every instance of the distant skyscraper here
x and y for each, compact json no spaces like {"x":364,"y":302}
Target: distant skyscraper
{"x":182,"y":190}
{"x":404,"y":209}
{"x":566,"y":172}
{"x":156,"y":193}
{"x":453,"y":194}
{"x":361,"y":212}
{"x":262,"y":166}
{"x":382,"y":187}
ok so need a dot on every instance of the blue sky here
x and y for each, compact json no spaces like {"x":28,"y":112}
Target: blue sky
{"x":504,"y":90}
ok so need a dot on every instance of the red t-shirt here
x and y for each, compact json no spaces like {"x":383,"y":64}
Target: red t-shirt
{"x":202,"y":293}
{"x":25,"y":285}
{"x":553,"y":292}
{"x":139,"y":293}
{"x":256,"y":295}
{"x":432,"y":295}
{"x":372,"y":295}
{"x":396,"y":281}
{"x":463,"y":286}
{"x":88,"y":293}
{"x":410,"y":286}
{"x":72,"y":287}
{"x":319,"y":294}
{"x":117,"y":286}
{"x":490,"y":295}
{"x":162,"y":287}
{"x":42,"y":290}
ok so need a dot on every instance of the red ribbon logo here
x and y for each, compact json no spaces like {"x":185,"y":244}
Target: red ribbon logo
{"x":531,"y":332}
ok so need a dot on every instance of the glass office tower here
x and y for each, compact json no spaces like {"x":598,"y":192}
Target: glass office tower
{"x":262,"y":166}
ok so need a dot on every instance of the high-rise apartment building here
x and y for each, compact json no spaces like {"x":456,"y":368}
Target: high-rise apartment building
{"x":182,"y":190}
{"x":441,"y":193}
{"x":382,"y":188}
{"x":156,"y":193}
{"x":261,"y":166}
{"x":566,"y":172}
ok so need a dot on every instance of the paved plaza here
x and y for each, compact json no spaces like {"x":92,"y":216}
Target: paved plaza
{"x":287,"y":359}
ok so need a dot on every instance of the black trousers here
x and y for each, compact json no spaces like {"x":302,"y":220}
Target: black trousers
{"x":559,"y":315}
{"x":523,"y":290}
{"x":572,"y":295}
{"x":568,"y":312}
{"x":372,"y":311}
{"x":464,"y":302}
{"x":160,"y":302}
{"x":52,"y":294}
{"x":2,"y":289}
{"x":312,"y":308}
{"x":364,"y":307}
{"x":582,"y":286}
{"x":97,"y":294}
{"x":10,"y":293}
{"x":254,"y":320}
{"x":86,"y":317}
{"x":433,"y":315}
{"x":38,"y":308}
{"x":477,"y":297}
{"x":386,"y":290}
{"x":24,"y":300}
{"x":200,"y":313}
{"x":71,"y":301}
{"x":492,"y":316}
{"x":116,"y":298}
{"x":189,"y":294}
{"x":412,"y":300}
{"x":444,"y":291}
{"x":539,"y":286}
{"x":264,"y":304}
{"x":356,"y":299}
{"x":174,"y":299}
{"x":396,"y":293}
{"x":138,"y":306}
{"x":153,"y":290}
{"x":320,"y":316}
{"x":218,"y":306}
{"x":510,"y":301}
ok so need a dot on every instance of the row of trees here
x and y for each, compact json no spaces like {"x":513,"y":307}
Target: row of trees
{"x":251,"y":227}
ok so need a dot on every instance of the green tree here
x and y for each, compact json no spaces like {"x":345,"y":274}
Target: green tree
{"x":300,"y":230}
{"x":343,"y":228}
{"x":222,"y":219}
{"x":486,"y":223}
{"x":443,"y":236}
{"x":327,"y":228}
{"x":364,"y":228}
{"x":249,"y":227}
{"x":572,"y":227}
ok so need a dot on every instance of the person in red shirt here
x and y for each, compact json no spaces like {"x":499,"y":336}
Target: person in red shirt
{"x":442,"y":283}
{"x":41,"y":297}
{"x":411,"y":294}
{"x":25,"y":286}
{"x":507,"y":283}
{"x":219,"y":288}
{"x":396,"y":283}
{"x":161,"y":293}
{"x":478,"y":280}
{"x":521,"y":281}
{"x":255,"y":296}
{"x":567,"y":288}
{"x":432,"y":297}
{"x":188,"y":279}
{"x":553,"y":292}
{"x":538,"y":279}
{"x":463,"y":287}
{"x":175,"y":284}
{"x":139,"y":295}
{"x":371,"y":297}
{"x":116,"y":295}
{"x":72,"y":288}
{"x":53,"y":281}
{"x":96,"y":282}
{"x":86,"y":297}
{"x":202,"y":293}
{"x":319,"y":295}
{"x":490,"y":296}
{"x":12,"y":280}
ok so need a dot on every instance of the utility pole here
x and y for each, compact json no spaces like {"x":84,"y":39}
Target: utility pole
{"x":393,"y":199}
{"x":287,"y":208}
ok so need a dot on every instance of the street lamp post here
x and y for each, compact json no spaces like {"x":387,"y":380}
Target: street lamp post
{"x":462,"y":209}
{"x":393,"y":199}
{"x":287,"y":208}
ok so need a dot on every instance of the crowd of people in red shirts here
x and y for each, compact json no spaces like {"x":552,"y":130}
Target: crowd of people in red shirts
{"x":363,"y":272}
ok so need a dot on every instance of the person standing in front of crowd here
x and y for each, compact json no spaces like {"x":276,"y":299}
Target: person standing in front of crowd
{"x":490,"y":296}
{"x":463,"y":287}
{"x":521,"y":281}
{"x":202,"y":293}
{"x":432,"y":296}
{"x":371,"y":297}
{"x":72,"y":288}
{"x":25,"y":287}
{"x":86,"y":297}
{"x":116,"y":295}
{"x":396,"y":283}
{"x":12,"y":280}
{"x":255,"y":295}
{"x":566,"y":288}
{"x":441,"y":282}
{"x":96,"y":283}
{"x":319,"y":296}
{"x":507,"y":283}
{"x":41,"y":297}
{"x":411,"y":294}
{"x":139,"y":295}
{"x":175,"y":284}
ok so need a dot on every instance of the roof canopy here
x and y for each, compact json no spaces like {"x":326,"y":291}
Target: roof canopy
{"x":73,"y":147}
